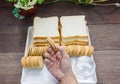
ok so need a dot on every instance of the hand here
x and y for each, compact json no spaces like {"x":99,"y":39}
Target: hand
{"x":58,"y":63}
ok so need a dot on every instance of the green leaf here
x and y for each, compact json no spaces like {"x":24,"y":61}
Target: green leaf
{"x":40,"y":1}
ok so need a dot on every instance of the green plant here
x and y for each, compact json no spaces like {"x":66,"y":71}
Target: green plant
{"x":16,"y":12}
{"x":23,"y":4}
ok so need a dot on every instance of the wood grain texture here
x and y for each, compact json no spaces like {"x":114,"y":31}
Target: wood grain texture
{"x":10,"y":68}
{"x":108,"y":66}
{"x":105,"y":37}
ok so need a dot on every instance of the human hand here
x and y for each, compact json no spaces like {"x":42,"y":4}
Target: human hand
{"x":58,"y":63}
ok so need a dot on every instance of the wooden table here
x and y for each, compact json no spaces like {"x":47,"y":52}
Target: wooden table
{"x":103,"y":23}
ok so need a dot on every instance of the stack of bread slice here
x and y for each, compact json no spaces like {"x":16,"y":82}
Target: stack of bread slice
{"x":74,"y":30}
{"x":43,"y":28}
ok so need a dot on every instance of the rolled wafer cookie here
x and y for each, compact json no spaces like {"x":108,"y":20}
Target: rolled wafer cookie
{"x":41,"y":62}
{"x":38,"y":62}
{"x":79,"y":50}
{"x":75,"y":49}
{"x":32,"y":62}
{"x":23,"y":62}
{"x":36,"y":51}
{"x":52,"y":43}
{"x":30,"y":51}
{"x":71,"y":49}
{"x":44,"y":50}
{"x":39,"y":51}
{"x":27,"y":62}
{"x":33,"y":51}
{"x":87,"y":49}
{"x":91,"y":50}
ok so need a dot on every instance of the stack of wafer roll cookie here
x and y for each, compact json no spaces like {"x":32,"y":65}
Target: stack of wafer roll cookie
{"x":37,"y":51}
{"x":72,"y":50}
{"x":79,"y":50}
{"x":32,"y":62}
{"x":34,"y":58}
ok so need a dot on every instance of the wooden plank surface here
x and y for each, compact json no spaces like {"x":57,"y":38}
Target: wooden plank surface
{"x":105,"y":37}
{"x":108,"y":66}
{"x":10,"y":68}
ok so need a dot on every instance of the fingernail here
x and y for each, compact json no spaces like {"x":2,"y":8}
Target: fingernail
{"x":58,"y":54}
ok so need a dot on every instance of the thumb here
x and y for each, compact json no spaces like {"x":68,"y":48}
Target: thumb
{"x":61,"y":49}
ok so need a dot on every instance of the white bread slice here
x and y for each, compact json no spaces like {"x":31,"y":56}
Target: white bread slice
{"x":73,"y":25}
{"x":74,"y":29}
{"x":44,"y":27}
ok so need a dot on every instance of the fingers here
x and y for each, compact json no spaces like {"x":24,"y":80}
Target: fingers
{"x":50,"y":50}
{"x":62,"y":51}
{"x":48,"y":56}
{"x":58,"y":56}
{"x":48,"y":63}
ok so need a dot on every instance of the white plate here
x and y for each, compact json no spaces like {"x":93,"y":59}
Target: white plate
{"x":43,"y":76}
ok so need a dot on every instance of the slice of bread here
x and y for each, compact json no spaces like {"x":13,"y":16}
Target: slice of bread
{"x":74,"y":29}
{"x":45,"y":27}
{"x":73,"y":25}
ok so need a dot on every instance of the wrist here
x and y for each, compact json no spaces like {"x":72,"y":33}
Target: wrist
{"x":69,"y":79}
{"x":60,"y":75}
{"x":67,"y":75}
